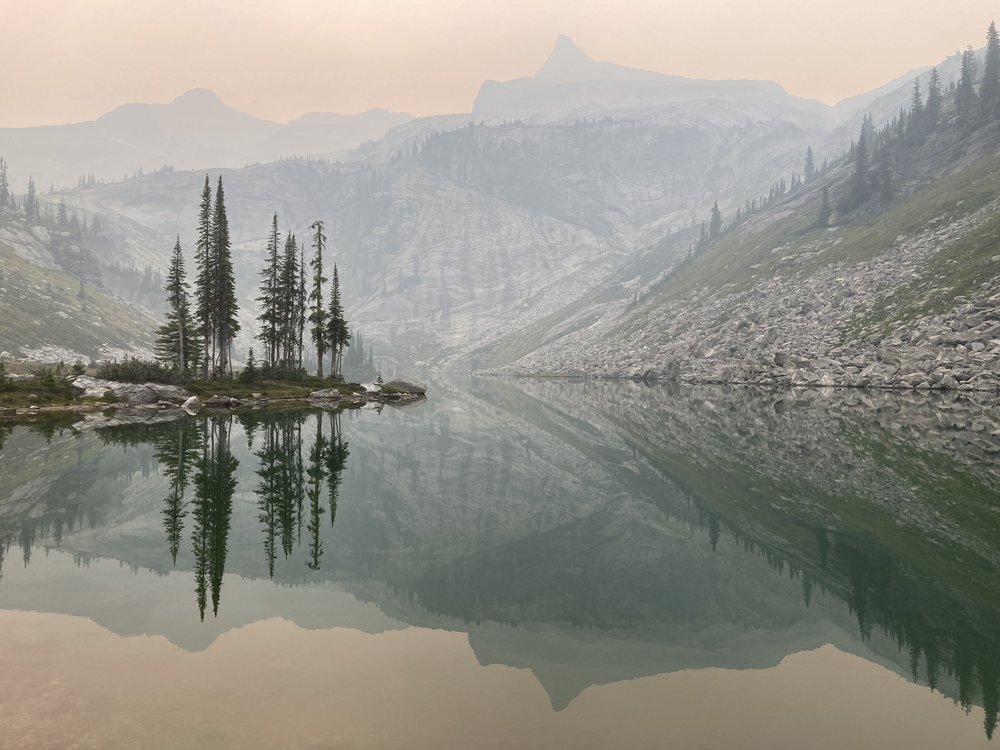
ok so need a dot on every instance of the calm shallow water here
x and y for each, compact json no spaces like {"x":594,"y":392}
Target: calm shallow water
{"x":510,"y":564}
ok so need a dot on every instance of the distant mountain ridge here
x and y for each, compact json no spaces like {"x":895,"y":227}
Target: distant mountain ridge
{"x":572,"y":82}
{"x":197,"y":130}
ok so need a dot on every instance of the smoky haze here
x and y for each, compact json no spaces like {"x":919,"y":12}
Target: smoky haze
{"x":79,"y":60}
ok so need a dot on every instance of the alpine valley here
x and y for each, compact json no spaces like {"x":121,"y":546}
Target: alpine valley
{"x":559,"y":228}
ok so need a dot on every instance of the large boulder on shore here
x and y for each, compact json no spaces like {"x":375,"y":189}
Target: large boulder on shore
{"x":413,"y":387}
{"x":130,"y":393}
{"x":173,"y":393}
{"x":220,"y":402}
{"x":327,"y":394}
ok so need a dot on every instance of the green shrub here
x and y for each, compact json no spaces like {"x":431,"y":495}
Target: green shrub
{"x":134,"y":370}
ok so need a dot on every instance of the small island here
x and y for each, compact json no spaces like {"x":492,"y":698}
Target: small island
{"x":48,"y":391}
{"x":194,"y":368}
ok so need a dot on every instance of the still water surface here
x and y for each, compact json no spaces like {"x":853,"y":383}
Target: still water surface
{"x":509,"y":564}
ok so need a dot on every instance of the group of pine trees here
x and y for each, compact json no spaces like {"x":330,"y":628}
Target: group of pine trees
{"x":716,"y":227}
{"x":55,"y":218}
{"x":197,"y":336}
{"x":973,"y":100}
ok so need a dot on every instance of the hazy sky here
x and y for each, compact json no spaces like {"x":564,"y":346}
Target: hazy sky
{"x":72,"y":60}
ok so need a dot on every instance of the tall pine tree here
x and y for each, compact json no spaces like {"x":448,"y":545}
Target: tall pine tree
{"x":989,"y":92}
{"x":4,"y":184}
{"x":176,"y":343}
{"x":338,"y":334}
{"x":317,"y":309}
{"x":31,"y":211}
{"x":269,"y":301}
{"x":715,"y":224}
{"x":965,"y":94}
{"x":203,"y":278}
{"x":225,"y":307}
{"x":288,"y":309}
{"x":825,"y":211}
{"x":301,"y":311}
{"x":934,"y":100}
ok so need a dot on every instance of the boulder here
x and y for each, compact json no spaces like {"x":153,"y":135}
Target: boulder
{"x":91,"y":387}
{"x":372,"y":387}
{"x":192,"y":404}
{"x":130,"y":393}
{"x":133,"y":393}
{"x":413,"y":387}
{"x":219,"y":402}
{"x":172,"y":393}
{"x":327,"y":394}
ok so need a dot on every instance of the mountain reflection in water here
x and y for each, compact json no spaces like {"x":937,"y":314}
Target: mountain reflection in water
{"x":690,"y":527}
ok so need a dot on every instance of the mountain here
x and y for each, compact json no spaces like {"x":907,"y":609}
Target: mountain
{"x":196,"y":130}
{"x":572,"y":84}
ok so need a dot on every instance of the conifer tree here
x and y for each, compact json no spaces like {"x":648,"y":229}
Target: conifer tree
{"x":715,"y":224}
{"x":225,"y":307}
{"x":317,"y":310}
{"x":338,"y":334}
{"x":883,"y":177}
{"x":915,"y":125}
{"x":250,"y":371}
{"x":301,"y":312}
{"x":203,"y":278}
{"x":859,"y":188}
{"x":270,"y":316}
{"x":4,"y":184}
{"x":31,"y":211}
{"x":825,"y":211}
{"x":868,"y":130}
{"x":810,"y":166}
{"x":287,"y":288}
{"x":934,"y":100}
{"x":989,"y":92}
{"x":965,"y":94}
{"x":176,"y":345}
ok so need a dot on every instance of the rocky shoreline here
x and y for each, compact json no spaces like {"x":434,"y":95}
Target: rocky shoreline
{"x":149,"y":399}
{"x":809,"y":325}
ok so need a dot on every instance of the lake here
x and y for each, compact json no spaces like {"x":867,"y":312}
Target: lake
{"x":532,"y":563}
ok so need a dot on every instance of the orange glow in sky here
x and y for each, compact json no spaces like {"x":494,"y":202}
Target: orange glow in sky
{"x":73,"y":60}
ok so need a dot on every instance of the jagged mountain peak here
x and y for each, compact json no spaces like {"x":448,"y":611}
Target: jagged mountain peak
{"x":199,"y":97}
{"x":566,"y":58}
